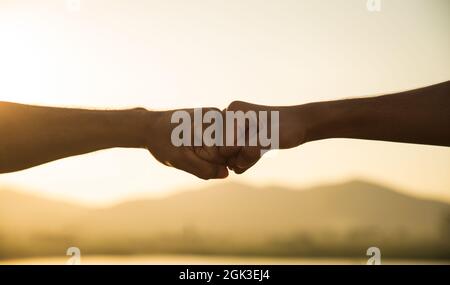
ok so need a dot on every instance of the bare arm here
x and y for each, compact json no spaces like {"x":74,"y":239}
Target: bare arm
{"x":419,"y":116}
{"x":33,"y":135}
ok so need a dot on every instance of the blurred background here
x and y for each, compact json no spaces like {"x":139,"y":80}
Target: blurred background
{"x":323,"y":202}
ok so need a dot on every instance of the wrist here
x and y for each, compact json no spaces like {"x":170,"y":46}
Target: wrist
{"x":318,"y":119}
{"x":135,"y":126}
{"x":292,"y":126}
{"x":146,"y":123}
{"x":314,"y":119}
{"x":307,"y":116}
{"x":334,"y":119}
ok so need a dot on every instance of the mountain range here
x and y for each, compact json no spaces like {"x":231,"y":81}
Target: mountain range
{"x":233,"y":219}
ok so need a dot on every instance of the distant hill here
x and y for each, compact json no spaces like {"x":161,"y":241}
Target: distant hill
{"x":331,"y":220}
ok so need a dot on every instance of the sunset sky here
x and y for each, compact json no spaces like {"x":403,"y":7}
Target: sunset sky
{"x":168,"y":54}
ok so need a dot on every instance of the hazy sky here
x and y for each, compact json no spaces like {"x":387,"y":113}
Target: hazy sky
{"x":167,"y":54}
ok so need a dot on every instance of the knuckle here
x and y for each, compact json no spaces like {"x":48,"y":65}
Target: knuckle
{"x":202,"y":177}
{"x":240,"y":170}
{"x":235,"y":105}
{"x":212,"y":172}
{"x":206,"y":174}
{"x":213,"y":109}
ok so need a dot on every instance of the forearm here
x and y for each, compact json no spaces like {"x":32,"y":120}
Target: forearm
{"x":416,"y":116}
{"x":32,"y":135}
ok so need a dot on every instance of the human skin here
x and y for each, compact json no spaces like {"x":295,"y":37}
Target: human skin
{"x":33,"y":135}
{"x":420,"y":116}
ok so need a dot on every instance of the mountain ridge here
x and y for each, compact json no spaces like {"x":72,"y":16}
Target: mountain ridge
{"x":233,"y":218}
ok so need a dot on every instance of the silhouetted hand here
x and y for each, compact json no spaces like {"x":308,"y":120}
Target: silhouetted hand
{"x":415,"y":116}
{"x":34,"y":135}
{"x":291,"y":133}
{"x":202,"y":161}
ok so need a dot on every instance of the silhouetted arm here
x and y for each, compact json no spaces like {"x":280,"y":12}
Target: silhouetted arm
{"x":33,"y":135}
{"x":417,"y":116}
